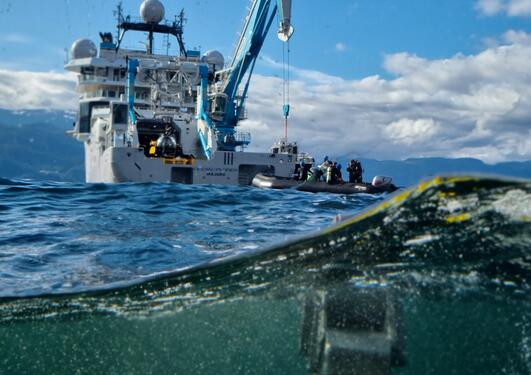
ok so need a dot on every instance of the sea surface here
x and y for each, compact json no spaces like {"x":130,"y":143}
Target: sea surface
{"x":174,"y":279}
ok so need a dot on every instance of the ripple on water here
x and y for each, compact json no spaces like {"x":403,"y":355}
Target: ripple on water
{"x":151,"y":227}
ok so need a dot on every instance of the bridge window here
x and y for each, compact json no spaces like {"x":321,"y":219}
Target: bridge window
{"x":85,"y":114}
{"x":119,"y":114}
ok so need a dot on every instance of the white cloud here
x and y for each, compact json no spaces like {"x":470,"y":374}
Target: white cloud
{"x":519,"y":8}
{"x":517,"y":37}
{"x":407,"y":132}
{"x":37,"y":90}
{"x":490,"y":7}
{"x":513,"y":8}
{"x":477,"y":105}
{"x":304,"y":74}
{"x":341,"y":47}
{"x":15,"y":38}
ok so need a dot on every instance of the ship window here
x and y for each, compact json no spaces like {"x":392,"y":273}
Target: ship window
{"x":87,"y":73}
{"x":101,"y":72}
{"x":119,"y":114}
{"x":85,"y":113}
{"x":112,"y":93}
{"x":84,"y":118}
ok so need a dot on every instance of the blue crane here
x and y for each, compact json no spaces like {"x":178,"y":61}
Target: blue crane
{"x":223,"y":108}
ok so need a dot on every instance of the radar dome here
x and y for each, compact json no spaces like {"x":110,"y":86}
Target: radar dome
{"x":152,"y":11}
{"x":83,"y":48}
{"x":214,"y":58}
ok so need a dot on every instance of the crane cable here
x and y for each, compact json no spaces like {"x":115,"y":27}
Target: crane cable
{"x":286,"y":85}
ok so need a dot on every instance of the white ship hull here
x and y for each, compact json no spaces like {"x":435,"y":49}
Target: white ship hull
{"x":127,"y":164}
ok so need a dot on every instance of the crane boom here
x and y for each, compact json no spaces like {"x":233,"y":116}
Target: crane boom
{"x":285,"y":30}
{"x":229,"y":96}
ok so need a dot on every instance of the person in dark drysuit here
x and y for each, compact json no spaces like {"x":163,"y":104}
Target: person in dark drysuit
{"x":331,"y":176}
{"x":303,"y":172}
{"x":338,"y":175}
{"x":296,"y":172}
{"x":355,"y":172}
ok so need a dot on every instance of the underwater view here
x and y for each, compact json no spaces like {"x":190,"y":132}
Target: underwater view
{"x":174,"y":279}
{"x":256,"y":187}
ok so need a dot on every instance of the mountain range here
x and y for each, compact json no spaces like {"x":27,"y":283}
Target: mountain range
{"x":35,"y":146}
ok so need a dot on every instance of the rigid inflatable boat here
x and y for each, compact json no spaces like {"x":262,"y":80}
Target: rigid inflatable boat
{"x":379,"y":185}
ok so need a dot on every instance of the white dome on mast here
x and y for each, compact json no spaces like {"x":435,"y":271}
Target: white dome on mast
{"x":152,"y":11}
{"x":214,"y":58}
{"x":83,"y":48}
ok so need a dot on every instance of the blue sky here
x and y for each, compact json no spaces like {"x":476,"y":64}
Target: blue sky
{"x":348,"y":39}
{"x":387,"y":79}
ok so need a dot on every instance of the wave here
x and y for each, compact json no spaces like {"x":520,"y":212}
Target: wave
{"x":447,"y":234}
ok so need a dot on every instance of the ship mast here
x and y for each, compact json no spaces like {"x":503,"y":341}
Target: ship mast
{"x":152,"y":12}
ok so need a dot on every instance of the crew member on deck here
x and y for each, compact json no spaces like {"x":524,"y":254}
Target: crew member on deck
{"x":297,"y":172}
{"x":301,"y":175}
{"x":339,"y":175}
{"x":324,"y":168}
{"x":331,"y":175}
{"x":355,"y":172}
{"x":305,"y":169}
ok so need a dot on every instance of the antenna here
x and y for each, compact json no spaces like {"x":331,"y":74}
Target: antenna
{"x":119,"y":14}
{"x":152,"y":23}
{"x":181,"y":19}
{"x":167,"y":43}
{"x":179,"y":23}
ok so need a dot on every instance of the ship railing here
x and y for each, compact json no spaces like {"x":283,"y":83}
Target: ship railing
{"x":243,"y":115}
{"x":243,"y":137}
{"x":137,"y":19}
{"x":92,"y":78}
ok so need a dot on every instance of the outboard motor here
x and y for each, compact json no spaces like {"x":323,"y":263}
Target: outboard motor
{"x":381,"y":181}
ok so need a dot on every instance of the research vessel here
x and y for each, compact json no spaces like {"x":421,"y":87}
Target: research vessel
{"x":159,"y":117}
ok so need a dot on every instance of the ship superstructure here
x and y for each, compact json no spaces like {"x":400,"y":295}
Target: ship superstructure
{"x":146,"y":117}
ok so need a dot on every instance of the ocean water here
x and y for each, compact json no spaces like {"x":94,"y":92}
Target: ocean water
{"x":173,"y":279}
